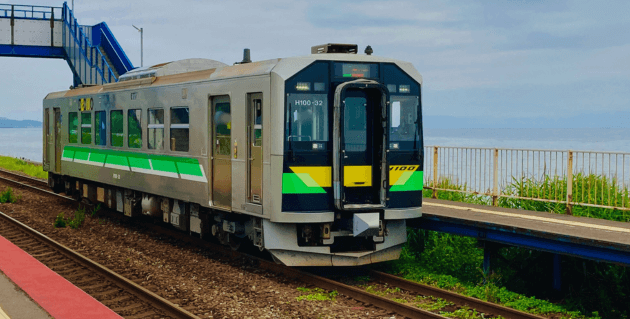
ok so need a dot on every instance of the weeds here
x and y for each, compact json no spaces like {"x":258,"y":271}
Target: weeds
{"x":60,"y":221}
{"x":432,"y":305}
{"x":316,"y":294}
{"x":8,"y":196}
{"x":75,"y":223}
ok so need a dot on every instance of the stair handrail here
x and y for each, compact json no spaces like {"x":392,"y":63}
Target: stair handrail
{"x":114,"y":46}
{"x":81,"y":40}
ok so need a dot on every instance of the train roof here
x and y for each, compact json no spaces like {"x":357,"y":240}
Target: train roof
{"x":193,"y":70}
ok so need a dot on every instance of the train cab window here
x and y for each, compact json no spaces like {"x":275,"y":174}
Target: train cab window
{"x":307,"y":119}
{"x":180,"y":122}
{"x":404,"y":126}
{"x":116,"y":128}
{"x":134,"y":128}
{"x":155,"y":129}
{"x":73,"y":123}
{"x":86,"y":128}
{"x":100,"y":130}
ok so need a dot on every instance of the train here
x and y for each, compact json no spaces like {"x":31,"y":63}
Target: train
{"x":316,"y":159}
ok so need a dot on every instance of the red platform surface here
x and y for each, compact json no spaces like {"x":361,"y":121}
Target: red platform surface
{"x":57,"y":296}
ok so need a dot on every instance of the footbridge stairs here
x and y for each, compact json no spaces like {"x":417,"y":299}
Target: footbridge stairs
{"x":92,"y":52}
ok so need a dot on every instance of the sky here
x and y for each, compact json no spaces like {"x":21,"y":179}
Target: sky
{"x":490,"y":59}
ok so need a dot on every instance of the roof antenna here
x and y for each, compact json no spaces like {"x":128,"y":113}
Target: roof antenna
{"x":246,"y":58}
{"x":369,"y":50}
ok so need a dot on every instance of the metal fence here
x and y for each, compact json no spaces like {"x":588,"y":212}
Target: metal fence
{"x":29,"y":12}
{"x":594,"y":179}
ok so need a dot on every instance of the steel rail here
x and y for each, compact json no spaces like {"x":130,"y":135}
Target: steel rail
{"x":329,"y":284}
{"x":148,"y":296}
{"x":477,"y":304}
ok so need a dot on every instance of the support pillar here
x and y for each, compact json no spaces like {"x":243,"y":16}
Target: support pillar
{"x":557,"y":272}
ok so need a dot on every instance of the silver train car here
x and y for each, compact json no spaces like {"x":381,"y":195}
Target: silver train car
{"x":317,"y":159}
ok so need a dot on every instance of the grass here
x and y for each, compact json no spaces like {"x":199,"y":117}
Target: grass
{"x":590,"y":289}
{"x":15,"y":164}
{"x":316,"y":294}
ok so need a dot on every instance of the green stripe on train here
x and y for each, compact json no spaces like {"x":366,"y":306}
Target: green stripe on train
{"x":158,"y":163}
{"x":415,"y":182}
{"x":293,"y":184}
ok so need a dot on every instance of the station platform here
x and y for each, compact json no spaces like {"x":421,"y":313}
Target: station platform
{"x":583,"y":237}
{"x":29,"y":289}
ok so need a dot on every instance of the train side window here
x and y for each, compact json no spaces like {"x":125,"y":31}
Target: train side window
{"x":100,"y":132}
{"x":223,"y":127}
{"x":134,"y":128}
{"x":73,"y":123}
{"x":86,"y":128}
{"x":180,"y":121}
{"x":155,"y":129}
{"x":116,"y":128}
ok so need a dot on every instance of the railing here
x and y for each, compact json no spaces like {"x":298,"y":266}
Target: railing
{"x":82,"y":53}
{"x":584,"y":178}
{"x":29,"y":12}
{"x":113,"y":49}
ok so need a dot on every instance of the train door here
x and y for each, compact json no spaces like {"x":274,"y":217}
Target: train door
{"x":47,"y":138}
{"x":221,"y":152}
{"x":361,"y":141}
{"x":57,"y":139}
{"x":255,"y":147}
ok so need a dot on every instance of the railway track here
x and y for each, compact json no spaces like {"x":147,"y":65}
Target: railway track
{"x":152,"y":301}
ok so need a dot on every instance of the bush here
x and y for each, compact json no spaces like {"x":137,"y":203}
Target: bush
{"x":8,"y":196}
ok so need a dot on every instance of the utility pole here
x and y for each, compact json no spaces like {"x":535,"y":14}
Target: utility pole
{"x":141,"y":30}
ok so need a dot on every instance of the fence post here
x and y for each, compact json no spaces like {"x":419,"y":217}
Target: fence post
{"x":435,"y":170}
{"x":495,"y":187}
{"x":569,"y":182}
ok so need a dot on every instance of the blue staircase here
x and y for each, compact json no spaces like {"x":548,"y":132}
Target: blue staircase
{"x":92,"y":52}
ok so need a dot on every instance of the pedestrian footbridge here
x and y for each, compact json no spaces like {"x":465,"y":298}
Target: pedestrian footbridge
{"x":92,"y":52}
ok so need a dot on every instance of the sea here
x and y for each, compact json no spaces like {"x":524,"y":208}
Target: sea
{"x":27,"y":142}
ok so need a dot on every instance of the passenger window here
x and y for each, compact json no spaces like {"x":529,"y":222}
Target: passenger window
{"x":180,"y":120}
{"x":116,"y":128}
{"x":86,"y":128}
{"x":223,"y":127}
{"x":155,"y":130}
{"x":134,"y":128}
{"x":258,"y":122}
{"x":73,"y":123}
{"x":100,"y":132}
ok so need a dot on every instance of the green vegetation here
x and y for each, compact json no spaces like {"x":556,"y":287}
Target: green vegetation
{"x":432,"y":303}
{"x":15,"y":164}
{"x":588,"y":188}
{"x":316,"y":294}
{"x":76,"y":222}
{"x":60,"y":221}
{"x":8,"y":196}
{"x":520,"y":277}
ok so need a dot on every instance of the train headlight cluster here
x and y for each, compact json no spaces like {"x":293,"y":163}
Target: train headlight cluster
{"x":303,"y":86}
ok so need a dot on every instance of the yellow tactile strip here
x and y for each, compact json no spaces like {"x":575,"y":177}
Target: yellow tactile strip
{"x":537,"y":218}
{"x":3,"y":315}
